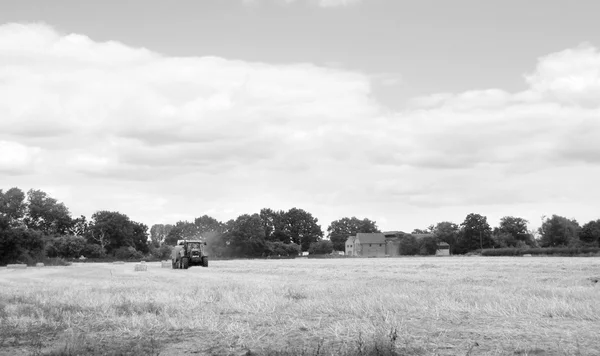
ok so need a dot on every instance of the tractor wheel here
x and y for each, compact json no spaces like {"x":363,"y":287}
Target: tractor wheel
{"x":204,"y":261}
{"x":185,"y":262}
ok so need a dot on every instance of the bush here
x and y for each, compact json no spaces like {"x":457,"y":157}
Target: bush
{"x":92,"y":251}
{"x":550,"y":251}
{"x":323,"y":247}
{"x":428,"y":245}
{"x":409,"y":246}
{"x":278,"y":248}
{"x":127,"y":252}
{"x":65,"y":246}
{"x":161,"y":253}
{"x":20,"y":245}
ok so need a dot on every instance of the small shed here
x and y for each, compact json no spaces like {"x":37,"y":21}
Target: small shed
{"x":443,"y":249}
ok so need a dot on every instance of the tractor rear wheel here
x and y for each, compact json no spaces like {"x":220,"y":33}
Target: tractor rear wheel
{"x":204,"y":261}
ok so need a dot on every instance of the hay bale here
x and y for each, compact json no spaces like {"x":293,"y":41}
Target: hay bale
{"x":118,"y":263}
{"x":140,"y":267}
{"x":527,"y":255}
{"x":17,"y":266}
{"x":39,"y":264}
{"x":165,"y":264}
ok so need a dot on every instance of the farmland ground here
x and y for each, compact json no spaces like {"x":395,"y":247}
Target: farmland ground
{"x":387,"y":306}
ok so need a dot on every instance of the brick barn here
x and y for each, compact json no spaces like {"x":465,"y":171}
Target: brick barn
{"x":366,"y":245}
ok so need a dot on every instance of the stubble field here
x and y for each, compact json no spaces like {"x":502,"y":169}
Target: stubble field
{"x":387,"y":306}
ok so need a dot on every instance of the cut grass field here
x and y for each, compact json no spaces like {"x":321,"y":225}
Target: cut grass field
{"x":387,"y":306}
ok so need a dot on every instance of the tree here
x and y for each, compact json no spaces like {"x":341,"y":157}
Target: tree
{"x":559,"y":231}
{"x":590,"y":233}
{"x":512,"y":231}
{"x":12,"y":205}
{"x":246,"y":235}
{"x":207,"y":223}
{"x":475,"y":234}
{"x":112,"y":230}
{"x":46,"y":214}
{"x":79,"y":226}
{"x":159,"y":232}
{"x":339,"y":230}
{"x":409,"y":246}
{"x":428,"y":230}
{"x":447,"y":232}
{"x":428,"y":245}
{"x":274,"y":224}
{"x":20,"y":245}
{"x":182,"y":230}
{"x":302,"y":228}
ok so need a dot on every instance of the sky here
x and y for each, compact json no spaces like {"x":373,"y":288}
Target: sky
{"x":406,"y":113}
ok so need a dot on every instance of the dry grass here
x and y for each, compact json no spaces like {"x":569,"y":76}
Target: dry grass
{"x":394,"y":306}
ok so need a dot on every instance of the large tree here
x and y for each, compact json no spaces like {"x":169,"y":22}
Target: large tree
{"x":513,"y":231}
{"x":12,"y":205}
{"x":111,"y":230}
{"x":274,"y":223}
{"x":246,"y":235}
{"x":46,"y":214}
{"x":475,"y":234}
{"x":159,"y":232}
{"x":590,"y":233}
{"x":339,"y":230}
{"x":559,"y":231}
{"x":302,"y":228}
{"x":182,"y":230}
{"x":205,"y":224}
{"x":447,"y":232}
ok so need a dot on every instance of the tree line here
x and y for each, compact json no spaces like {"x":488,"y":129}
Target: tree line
{"x":35,"y":226}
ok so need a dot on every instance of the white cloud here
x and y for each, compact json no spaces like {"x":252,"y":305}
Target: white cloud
{"x":154,"y":136}
{"x":16,"y":159}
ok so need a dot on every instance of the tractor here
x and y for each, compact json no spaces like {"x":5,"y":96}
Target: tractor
{"x":189,"y":253}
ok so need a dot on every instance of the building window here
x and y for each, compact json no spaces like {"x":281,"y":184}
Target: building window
{"x":369,"y":245}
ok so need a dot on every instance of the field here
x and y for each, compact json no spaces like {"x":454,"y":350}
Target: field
{"x":387,"y":306}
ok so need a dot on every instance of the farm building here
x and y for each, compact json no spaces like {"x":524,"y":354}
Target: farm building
{"x":443,"y":249}
{"x":366,"y":245}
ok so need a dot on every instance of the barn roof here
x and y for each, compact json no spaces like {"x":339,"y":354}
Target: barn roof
{"x":371,"y":238}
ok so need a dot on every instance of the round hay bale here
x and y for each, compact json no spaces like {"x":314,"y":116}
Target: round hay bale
{"x":140,"y":268}
{"x":118,"y":263}
{"x":527,"y":255}
{"x":17,"y":266}
{"x":165,"y":264}
{"x":39,"y":264}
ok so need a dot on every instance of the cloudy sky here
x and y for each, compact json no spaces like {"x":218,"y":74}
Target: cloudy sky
{"x":409,"y":113}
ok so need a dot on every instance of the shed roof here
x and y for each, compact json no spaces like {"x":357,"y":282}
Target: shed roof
{"x":443,"y":244}
{"x":371,"y":238}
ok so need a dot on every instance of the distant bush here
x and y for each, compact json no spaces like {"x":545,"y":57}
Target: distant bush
{"x":323,"y":247}
{"x":56,"y":261}
{"x":161,"y":253}
{"x":278,"y":248}
{"x":65,"y":246}
{"x":550,"y":251}
{"x":92,"y":251}
{"x":127,"y":253}
{"x":409,"y":246}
